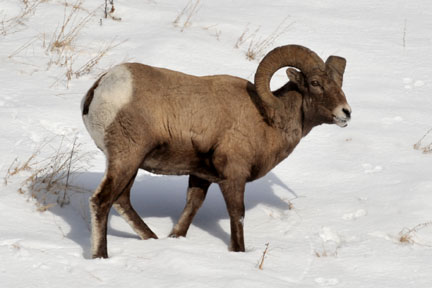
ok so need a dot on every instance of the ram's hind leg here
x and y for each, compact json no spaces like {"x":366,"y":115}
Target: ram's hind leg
{"x":196,"y":194}
{"x":118,"y":176}
{"x":233,"y":192}
{"x":124,"y":207}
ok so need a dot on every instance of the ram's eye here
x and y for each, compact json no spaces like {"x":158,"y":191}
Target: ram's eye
{"x":315,"y":83}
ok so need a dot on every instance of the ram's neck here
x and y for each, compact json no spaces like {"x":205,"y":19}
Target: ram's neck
{"x":290,"y":117}
{"x":288,"y":122}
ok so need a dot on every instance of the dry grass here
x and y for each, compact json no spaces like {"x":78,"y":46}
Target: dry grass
{"x":214,"y":31}
{"x":408,"y":235}
{"x":61,"y":48}
{"x":63,"y":51}
{"x":246,"y":36}
{"x":64,"y":37}
{"x":18,"y":167}
{"x":88,"y":66}
{"x":183,"y":19}
{"x":49,"y":179}
{"x":13,"y":24}
{"x":425,"y":148}
{"x":258,"y":46}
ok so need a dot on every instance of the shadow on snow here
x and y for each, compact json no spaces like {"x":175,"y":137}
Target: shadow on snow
{"x":165,"y":196}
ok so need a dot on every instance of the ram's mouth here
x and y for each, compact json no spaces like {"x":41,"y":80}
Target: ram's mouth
{"x":341,"y":122}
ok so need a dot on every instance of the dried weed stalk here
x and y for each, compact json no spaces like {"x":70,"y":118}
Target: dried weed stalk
{"x":261,"y":263}
{"x":61,"y":49}
{"x":424,"y":148}
{"x":23,"y":47}
{"x":61,"y":44}
{"x":49,"y":180}
{"x":407,"y":235}
{"x":246,"y":36}
{"x":187,"y":13}
{"x":258,"y":46}
{"x":11,"y":25}
{"x":328,"y":249}
{"x":64,"y":53}
{"x":214,"y":31}
{"x":87,"y":67}
{"x":109,"y":11}
{"x":325,"y":253}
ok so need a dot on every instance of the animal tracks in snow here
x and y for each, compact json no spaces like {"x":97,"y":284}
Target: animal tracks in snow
{"x":326,"y":281}
{"x":355,"y":215}
{"x":370,"y":168}
{"x":388,"y":121}
{"x":327,"y":242}
{"x":409,"y":83}
{"x":7,"y":101}
{"x":58,"y":128}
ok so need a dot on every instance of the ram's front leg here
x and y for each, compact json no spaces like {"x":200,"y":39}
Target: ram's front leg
{"x":233,"y":192}
{"x":196,"y":194}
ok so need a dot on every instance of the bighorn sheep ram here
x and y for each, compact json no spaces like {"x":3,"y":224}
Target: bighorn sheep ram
{"x":216,"y":129}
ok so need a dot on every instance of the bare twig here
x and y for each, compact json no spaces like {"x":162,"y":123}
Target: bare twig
{"x":109,"y":11}
{"x":261,"y":265}
{"x":65,"y":199}
{"x":23,"y":47}
{"x":9,"y":172}
{"x":406,"y":235}
{"x":426,"y":148}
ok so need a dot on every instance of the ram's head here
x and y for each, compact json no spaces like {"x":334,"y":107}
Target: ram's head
{"x":319,"y":83}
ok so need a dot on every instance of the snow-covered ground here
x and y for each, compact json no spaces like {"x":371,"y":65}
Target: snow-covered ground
{"x":332,"y":213}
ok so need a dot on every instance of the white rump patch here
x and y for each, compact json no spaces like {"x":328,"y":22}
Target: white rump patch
{"x":113,"y":92}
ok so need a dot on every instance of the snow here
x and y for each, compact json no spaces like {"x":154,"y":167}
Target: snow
{"x":332,"y":213}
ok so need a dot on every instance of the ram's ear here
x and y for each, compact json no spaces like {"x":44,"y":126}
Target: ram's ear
{"x":335,"y":67}
{"x":295,"y":76}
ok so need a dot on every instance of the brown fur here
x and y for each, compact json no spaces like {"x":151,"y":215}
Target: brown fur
{"x":212,"y":128}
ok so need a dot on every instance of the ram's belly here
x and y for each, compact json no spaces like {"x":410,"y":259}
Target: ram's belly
{"x":168,"y":161}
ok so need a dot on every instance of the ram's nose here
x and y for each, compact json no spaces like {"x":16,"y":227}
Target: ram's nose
{"x":341,"y":115}
{"x":347,"y":112}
